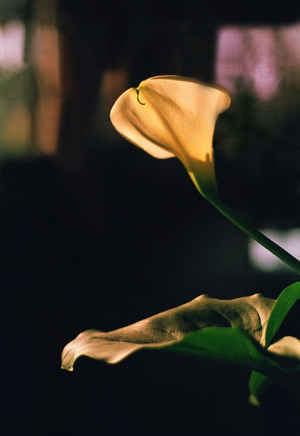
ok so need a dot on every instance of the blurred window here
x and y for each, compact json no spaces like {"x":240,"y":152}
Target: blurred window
{"x":12,"y":40}
{"x":263,"y":57}
{"x":262,"y":260}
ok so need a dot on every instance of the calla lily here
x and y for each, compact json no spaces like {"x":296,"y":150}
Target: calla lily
{"x":171,"y":116}
{"x":238,"y":331}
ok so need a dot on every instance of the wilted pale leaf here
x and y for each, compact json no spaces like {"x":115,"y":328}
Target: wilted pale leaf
{"x":229,"y":331}
{"x":289,"y":347}
{"x":250,"y":314}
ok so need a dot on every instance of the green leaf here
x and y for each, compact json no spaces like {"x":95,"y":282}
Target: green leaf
{"x":284,"y":303}
{"x":227,"y":345}
{"x":234,"y":346}
{"x":258,"y":383}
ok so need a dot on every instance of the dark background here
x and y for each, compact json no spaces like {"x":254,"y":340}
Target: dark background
{"x":102,"y":235}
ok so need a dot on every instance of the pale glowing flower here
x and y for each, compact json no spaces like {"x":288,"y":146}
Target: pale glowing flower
{"x":171,"y":116}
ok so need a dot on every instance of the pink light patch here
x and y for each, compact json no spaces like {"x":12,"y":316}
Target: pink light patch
{"x":262,"y":56}
{"x":12,"y":39}
{"x":261,"y":62}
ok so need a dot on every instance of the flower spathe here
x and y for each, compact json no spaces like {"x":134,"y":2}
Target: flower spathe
{"x":171,"y":116}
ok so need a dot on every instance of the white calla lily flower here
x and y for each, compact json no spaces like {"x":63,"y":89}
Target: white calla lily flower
{"x":171,"y":116}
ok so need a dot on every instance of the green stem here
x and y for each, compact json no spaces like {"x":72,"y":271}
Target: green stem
{"x":283,"y":255}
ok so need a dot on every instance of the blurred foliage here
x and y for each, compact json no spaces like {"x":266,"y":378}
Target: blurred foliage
{"x":18,"y":94}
